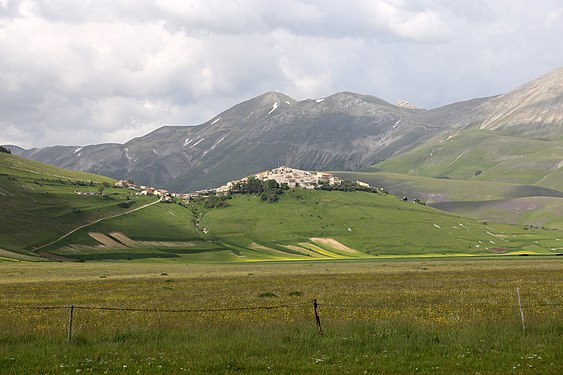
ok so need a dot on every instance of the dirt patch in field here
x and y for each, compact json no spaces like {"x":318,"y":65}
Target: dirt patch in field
{"x":106,"y":240}
{"x":333,"y":244}
{"x":124,"y":239}
{"x":118,"y":240}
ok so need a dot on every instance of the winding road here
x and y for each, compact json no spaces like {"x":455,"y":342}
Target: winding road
{"x":95,"y":222}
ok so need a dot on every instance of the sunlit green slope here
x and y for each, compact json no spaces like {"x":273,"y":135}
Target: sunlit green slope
{"x":39,"y":203}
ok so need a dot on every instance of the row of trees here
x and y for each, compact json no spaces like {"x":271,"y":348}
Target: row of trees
{"x":268,"y":190}
{"x":346,"y":186}
{"x":4,"y":149}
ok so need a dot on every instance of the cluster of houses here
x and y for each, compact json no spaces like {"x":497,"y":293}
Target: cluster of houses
{"x":148,"y":190}
{"x":296,"y":177}
{"x":291,"y":176}
{"x":282,"y":175}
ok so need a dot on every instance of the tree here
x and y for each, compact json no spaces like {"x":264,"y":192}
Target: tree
{"x":101,"y":188}
{"x":6,"y":150}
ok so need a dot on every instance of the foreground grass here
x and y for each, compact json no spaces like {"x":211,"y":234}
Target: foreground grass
{"x":282,"y":349}
{"x":378,"y":317}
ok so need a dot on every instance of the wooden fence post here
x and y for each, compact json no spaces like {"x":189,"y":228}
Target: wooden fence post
{"x":69,"y":336}
{"x":521,"y":310}
{"x":317,"y":318}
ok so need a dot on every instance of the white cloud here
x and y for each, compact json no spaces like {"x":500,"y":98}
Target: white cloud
{"x":80,"y":72}
{"x":554,"y":18}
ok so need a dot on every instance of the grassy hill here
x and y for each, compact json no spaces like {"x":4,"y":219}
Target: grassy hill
{"x":433,"y":190}
{"x":39,"y":203}
{"x":303,"y":225}
{"x":483,"y":174}
{"x":538,"y":211}
{"x":485,"y":200}
{"x":483,"y":155}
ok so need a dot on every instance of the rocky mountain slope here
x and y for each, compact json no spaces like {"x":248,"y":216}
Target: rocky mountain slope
{"x":515,"y":138}
{"x":344,"y":131}
{"x":534,"y":109}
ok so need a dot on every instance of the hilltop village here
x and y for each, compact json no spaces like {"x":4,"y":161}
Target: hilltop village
{"x":284,"y":175}
{"x":292,"y":177}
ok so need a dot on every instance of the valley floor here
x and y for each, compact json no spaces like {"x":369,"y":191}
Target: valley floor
{"x":438,"y":316}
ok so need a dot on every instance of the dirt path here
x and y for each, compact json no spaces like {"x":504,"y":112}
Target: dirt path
{"x":95,"y":222}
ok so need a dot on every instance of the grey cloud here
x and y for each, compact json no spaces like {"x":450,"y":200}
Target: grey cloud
{"x":81,"y":72}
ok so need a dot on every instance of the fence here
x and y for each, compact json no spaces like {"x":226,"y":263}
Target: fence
{"x":314,"y":306}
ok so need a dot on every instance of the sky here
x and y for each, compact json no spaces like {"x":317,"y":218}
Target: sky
{"x":95,"y":71}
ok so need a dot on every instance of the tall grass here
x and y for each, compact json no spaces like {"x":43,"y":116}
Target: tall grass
{"x":398,"y":317}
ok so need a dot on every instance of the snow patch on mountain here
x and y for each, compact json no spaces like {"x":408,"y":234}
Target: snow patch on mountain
{"x":197,"y":143}
{"x":215,"y":145}
{"x":274,"y":107}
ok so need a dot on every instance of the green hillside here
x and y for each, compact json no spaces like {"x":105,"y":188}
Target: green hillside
{"x":432,"y":190}
{"x":483,"y":174}
{"x":302,"y":225}
{"x":39,"y":203}
{"x":484,"y":155}
{"x":538,"y":211}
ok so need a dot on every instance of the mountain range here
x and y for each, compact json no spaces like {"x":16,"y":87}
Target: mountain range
{"x":474,"y":139}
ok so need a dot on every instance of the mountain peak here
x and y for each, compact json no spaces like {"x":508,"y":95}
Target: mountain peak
{"x":535,"y":108}
{"x":271,"y":97}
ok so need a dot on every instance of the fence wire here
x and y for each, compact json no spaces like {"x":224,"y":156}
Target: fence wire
{"x":271,"y":307}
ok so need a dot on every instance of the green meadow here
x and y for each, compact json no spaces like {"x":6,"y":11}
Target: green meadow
{"x":183,"y":288}
{"x":439,"y":316}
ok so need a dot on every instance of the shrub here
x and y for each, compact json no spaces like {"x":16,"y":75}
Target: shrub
{"x":296,"y":293}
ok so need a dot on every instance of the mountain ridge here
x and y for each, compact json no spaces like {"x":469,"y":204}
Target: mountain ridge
{"x":343,"y":131}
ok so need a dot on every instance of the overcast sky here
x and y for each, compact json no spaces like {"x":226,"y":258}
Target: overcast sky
{"x":78,"y":72}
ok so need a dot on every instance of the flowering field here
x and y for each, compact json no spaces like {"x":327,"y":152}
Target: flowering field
{"x":434,"y":316}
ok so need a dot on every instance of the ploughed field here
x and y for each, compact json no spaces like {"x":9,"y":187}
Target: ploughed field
{"x":438,"y":316}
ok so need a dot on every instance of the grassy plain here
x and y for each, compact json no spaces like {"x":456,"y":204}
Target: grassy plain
{"x":439,"y":316}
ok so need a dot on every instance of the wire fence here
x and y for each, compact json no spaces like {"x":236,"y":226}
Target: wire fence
{"x":314,"y":306}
